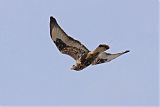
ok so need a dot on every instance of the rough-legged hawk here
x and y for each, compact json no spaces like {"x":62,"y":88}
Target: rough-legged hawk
{"x":83,"y":57}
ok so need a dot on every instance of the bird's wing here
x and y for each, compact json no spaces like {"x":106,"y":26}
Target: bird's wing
{"x":66,"y":44}
{"x":106,"y":57}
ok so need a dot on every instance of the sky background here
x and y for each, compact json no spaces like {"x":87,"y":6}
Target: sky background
{"x":34,"y":72}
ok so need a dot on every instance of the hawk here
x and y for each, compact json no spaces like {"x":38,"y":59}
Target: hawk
{"x":75,"y":49}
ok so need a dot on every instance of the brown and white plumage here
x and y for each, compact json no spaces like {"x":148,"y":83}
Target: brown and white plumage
{"x":66,"y":44}
{"x":84,"y":57}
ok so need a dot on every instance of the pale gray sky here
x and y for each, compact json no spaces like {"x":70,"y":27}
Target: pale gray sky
{"x":34,"y":72}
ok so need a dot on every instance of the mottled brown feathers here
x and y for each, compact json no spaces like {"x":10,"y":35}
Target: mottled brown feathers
{"x":66,"y":44}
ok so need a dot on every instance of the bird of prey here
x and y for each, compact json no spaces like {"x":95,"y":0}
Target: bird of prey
{"x":75,"y":49}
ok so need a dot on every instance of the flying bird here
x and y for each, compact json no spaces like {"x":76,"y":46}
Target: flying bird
{"x":75,"y":49}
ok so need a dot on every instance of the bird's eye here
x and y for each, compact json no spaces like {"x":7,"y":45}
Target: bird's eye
{"x":74,"y":66}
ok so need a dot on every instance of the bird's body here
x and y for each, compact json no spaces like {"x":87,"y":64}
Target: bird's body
{"x":83,"y":57}
{"x":88,"y":58}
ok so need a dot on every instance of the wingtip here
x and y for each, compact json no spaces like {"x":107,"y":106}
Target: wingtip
{"x":52,"y":19}
{"x":104,"y":45}
{"x":52,"y":24}
{"x":127,"y":51}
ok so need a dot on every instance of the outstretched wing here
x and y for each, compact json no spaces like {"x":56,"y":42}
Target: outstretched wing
{"x":106,"y":57}
{"x":66,"y":44}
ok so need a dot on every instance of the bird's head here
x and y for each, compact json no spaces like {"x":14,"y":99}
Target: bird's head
{"x":74,"y":67}
{"x":77,"y":67}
